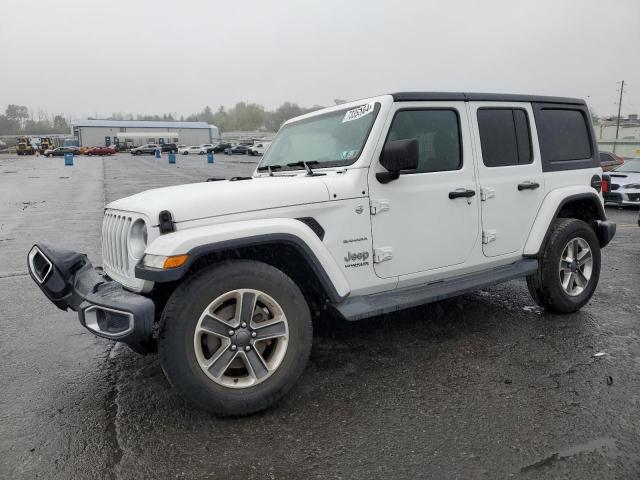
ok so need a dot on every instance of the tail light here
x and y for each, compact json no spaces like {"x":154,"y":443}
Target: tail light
{"x":606,"y":185}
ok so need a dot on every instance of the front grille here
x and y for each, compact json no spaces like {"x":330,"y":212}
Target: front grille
{"x":634,"y":197}
{"x":115,"y":231}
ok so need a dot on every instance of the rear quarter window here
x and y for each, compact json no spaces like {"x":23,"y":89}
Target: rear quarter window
{"x":565,"y":137}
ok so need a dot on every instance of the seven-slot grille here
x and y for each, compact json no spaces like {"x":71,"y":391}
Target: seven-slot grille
{"x":115,"y":232}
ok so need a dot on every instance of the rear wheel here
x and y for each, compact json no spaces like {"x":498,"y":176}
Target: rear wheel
{"x":235,"y":338}
{"x":569,"y":267}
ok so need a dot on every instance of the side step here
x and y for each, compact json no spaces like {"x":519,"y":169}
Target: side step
{"x":365,"y":306}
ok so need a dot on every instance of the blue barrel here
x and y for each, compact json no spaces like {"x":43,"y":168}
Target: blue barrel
{"x":68,"y":159}
{"x":158,"y":153}
{"x":210,"y":157}
{"x":172,"y":158}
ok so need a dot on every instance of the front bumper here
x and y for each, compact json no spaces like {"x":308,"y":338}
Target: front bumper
{"x":104,"y":307}
{"x":628,"y":198}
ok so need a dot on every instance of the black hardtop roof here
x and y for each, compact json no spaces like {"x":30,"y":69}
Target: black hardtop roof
{"x":480,"y":97}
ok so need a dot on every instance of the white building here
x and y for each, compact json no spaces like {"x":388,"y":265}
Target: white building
{"x":138,"y":132}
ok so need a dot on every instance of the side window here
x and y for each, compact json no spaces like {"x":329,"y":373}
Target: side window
{"x":563,"y":134}
{"x":505,"y":136}
{"x":438,"y":135}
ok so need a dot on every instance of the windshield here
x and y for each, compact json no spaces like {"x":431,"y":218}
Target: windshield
{"x":332,"y":139}
{"x":632,"y":166}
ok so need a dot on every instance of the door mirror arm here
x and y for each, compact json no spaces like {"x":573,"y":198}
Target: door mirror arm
{"x":386,"y":177}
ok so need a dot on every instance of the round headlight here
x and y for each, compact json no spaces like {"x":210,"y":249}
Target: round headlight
{"x":138,"y":238}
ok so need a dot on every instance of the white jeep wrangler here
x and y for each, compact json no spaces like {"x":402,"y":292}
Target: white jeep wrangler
{"x":359,"y":209}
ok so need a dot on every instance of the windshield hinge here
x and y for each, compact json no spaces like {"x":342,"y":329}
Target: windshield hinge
{"x":378,"y":206}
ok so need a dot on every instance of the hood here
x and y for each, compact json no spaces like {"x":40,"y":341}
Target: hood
{"x":624,"y":178}
{"x":210,"y":199}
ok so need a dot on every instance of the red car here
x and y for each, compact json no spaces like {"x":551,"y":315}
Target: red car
{"x":100,"y":151}
{"x":609,"y":161}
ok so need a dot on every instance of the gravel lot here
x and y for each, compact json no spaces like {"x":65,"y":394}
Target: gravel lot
{"x":483,"y":386}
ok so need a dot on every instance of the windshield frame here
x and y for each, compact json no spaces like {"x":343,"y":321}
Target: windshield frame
{"x":334,"y":163}
{"x":628,"y":163}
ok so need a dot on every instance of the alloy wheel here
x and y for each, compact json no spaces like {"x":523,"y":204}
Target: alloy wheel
{"x":241,"y":338}
{"x":576,"y":266}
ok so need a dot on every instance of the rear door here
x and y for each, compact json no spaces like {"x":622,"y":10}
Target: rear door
{"x":510,"y":174}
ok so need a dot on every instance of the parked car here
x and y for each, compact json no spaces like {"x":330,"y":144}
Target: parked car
{"x":148,"y":149}
{"x":82,"y":150}
{"x":240,"y":149}
{"x":418,"y":197}
{"x":625,"y":184}
{"x":206,"y":147}
{"x":609,"y":161}
{"x":221,"y":147}
{"x":258,"y":148}
{"x":100,"y":151}
{"x":193,"y":150}
{"x":169,"y":147}
{"x":59,"y":151}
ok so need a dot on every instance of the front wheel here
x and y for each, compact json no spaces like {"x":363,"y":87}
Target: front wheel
{"x":569,"y":267}
{"x":235,"y":337}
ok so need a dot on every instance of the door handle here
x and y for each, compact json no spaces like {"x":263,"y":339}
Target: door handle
{"x":528,"y":186}
{"x":463,"y":192}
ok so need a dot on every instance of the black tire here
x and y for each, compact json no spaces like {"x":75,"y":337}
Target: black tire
{"x":180,"y":317}
{"x":545,"y":286}
{"x":185,"y":153}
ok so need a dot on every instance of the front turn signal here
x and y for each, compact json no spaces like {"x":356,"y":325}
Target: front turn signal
{"x":175,"y":261}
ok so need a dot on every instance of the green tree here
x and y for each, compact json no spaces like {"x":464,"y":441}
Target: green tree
{"x":246,"y":116}
{"x":285,"y":112}
{"x":18,"y":113}
{"x":60,"y":124}
{"x":8,"y":126}
{"x":220,"y":119}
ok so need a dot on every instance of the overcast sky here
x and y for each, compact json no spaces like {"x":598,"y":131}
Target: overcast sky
{"x":85,"y":57}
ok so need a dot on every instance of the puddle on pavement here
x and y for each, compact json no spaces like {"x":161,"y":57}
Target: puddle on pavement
{"x":606,"y":446}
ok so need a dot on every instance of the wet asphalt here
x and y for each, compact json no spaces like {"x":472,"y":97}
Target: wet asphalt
{"x":487,"y":385}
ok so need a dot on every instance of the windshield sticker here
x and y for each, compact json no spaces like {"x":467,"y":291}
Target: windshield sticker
{"x":348,"y":154}
{"x":359,"y":112}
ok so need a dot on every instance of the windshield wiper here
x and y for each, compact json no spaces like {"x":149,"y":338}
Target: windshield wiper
{"x":270,"y":168}
{"x":307,"y":167}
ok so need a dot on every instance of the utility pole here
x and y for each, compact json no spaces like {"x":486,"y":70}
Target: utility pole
{"x":619,"y":108}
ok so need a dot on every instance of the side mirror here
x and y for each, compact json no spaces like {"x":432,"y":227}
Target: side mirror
{"x":398,"y":155}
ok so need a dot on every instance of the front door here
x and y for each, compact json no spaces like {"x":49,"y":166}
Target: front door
{"x":511,"y":179}
{"x":428,"y":218}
